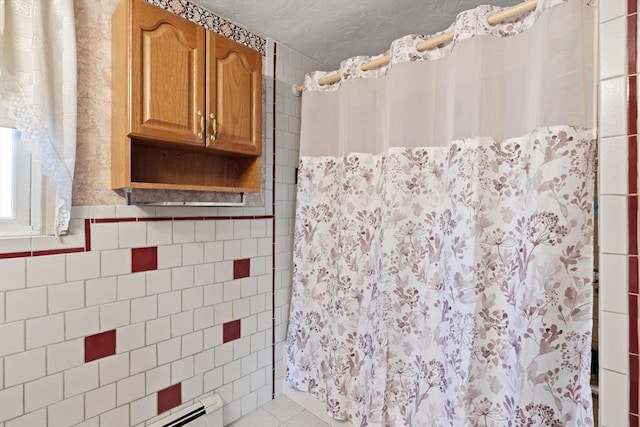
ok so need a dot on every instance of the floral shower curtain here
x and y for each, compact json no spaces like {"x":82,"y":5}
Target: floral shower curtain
{"x":443,"y":237}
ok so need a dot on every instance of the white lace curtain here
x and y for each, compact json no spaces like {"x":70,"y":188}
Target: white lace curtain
{"x":38,"y":94}
{"x":444,"y":224}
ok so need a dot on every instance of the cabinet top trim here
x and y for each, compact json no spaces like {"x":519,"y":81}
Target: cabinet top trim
{"x":213,"y":22}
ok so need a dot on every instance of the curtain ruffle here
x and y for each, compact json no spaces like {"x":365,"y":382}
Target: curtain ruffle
{"x":468,"y":24}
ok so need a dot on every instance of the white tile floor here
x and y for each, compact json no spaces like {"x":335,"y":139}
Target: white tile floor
{"x":280,"y":412}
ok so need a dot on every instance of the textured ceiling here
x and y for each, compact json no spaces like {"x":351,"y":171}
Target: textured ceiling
{"x":331,"y":30}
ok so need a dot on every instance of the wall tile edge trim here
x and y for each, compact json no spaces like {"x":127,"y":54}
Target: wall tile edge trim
{"x":89,"y":221}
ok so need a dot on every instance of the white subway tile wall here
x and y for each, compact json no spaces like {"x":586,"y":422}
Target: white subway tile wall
{"x":612,"y":160}
{"x":46,"y":270}
{"x":66,"y":413}
{"x":613,"y":230}
{"x":614,"y":343}
{"x":617,"y":220}
{"x":613,"y":107}
{"x":175,"y":323}
{"x":614,"y":404}
{"x":613,"y":9}
{"x":290,"y":70}
{"x":613,"y":54}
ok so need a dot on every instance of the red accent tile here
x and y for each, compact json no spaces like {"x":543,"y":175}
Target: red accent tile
{"x":632,"y":32}
{"x":169,"y":398}
{"x":57,"y":251}
{"x":231,"y":331}
{"x":632,"y":6}
{"x":633,"y":274}
{"x":241,"y":268}
{"x":633,"y":420}
{"x":99,"y":345}
{"x":633,"y":385}
{"x":633,"y":225}
{"x":632,"y":148}
{"x":15,"y":255}
{"x":144,"y":259}
{"x":105,"y":220}
{"x":633,"y":324}
{"x":632,"y":117}
{"x":87,"y":234}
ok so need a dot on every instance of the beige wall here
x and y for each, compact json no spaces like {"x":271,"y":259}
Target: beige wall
{"x":92,"y":181}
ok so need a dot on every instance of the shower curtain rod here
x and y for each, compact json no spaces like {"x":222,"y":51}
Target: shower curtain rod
{"x":443,"y":38}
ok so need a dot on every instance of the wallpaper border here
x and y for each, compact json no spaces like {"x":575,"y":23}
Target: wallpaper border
{"x":213,"y":22}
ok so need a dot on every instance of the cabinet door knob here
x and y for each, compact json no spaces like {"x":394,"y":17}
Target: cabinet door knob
{"x":214,"y":127}
{"x":201,"y":133}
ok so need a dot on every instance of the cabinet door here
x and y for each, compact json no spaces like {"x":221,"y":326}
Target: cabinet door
{"x":168,"y":69}
{"x":235,"y":97}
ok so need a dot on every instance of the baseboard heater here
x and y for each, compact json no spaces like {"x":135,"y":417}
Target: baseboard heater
{"x":206,"y":406}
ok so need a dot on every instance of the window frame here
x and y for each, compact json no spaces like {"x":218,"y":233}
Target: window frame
{"x":26,"y":194}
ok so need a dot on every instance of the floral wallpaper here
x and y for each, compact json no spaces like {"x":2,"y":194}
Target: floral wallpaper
{"x":213,"y":22}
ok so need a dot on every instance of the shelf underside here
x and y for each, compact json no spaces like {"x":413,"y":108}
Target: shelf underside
{"x":162,"y":168}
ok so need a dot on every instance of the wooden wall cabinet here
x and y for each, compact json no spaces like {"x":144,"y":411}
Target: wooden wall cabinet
{"x":186,"y":105}
{"x":234,"y":105}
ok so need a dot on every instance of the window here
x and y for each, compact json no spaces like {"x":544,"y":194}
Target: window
{"x":6,"y":174}
{"x":38,"y":96}
{"x":20,"y":187}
